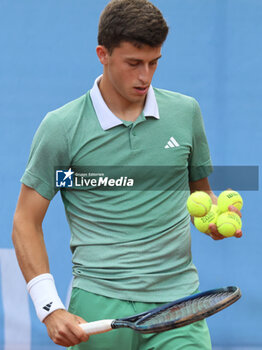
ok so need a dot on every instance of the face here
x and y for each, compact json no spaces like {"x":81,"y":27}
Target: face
{"x":129,"y":70}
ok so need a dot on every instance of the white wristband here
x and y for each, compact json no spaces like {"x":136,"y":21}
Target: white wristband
{"x":44,"y":295}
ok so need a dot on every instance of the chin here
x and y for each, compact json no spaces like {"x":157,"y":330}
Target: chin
{"x":133,"y":98}
{"x":136,"y":98}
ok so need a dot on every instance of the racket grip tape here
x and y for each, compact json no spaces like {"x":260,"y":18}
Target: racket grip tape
{"x":96,"y":327}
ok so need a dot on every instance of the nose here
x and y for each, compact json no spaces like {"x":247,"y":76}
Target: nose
{"x":144,"y":74}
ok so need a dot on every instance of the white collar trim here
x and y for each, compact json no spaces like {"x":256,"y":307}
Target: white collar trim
{"x":107,"y":119}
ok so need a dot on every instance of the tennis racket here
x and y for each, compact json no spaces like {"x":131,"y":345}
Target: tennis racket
{"x":176,"y":314}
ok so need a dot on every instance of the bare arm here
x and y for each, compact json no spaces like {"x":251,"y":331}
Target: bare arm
{"x":203,"y":185}
{"x":32,"y":257}
{"x":28,"y":235}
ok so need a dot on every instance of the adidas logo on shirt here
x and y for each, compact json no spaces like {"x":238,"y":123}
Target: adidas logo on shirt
{"x":48,"y":306}
{"x":172,"y":143}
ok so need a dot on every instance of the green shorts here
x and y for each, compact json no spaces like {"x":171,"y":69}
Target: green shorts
{"x":93,"y":307}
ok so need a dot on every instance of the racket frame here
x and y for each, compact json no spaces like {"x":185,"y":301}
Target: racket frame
{"x":134,"y":322}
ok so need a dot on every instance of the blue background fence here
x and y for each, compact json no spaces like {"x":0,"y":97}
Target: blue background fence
{"x":213,"y":53}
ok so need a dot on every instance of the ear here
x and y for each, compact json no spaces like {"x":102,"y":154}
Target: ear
{"x":102,"y":54}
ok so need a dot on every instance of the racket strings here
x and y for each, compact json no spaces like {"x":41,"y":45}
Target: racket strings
{"x":185,"y":309}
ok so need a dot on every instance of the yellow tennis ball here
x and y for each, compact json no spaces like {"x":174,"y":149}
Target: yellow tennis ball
{"x":202,"y":224}
{"x":199,"y":203}
{"x":227,"y":198}
{"x":228,"y":223}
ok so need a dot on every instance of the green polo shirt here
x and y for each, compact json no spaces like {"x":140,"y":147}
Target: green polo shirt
{"x":126,"y":202}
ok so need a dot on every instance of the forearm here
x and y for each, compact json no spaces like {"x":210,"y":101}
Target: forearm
{"x":63,"y":327}
{"x":30,"y":248}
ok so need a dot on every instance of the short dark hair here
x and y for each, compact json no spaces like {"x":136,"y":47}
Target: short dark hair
{"x":136,"y":21}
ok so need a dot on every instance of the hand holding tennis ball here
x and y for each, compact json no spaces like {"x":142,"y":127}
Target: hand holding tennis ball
{"x":228,"y":223}
{"x":199,"y":204}
{"x":218,"y":221}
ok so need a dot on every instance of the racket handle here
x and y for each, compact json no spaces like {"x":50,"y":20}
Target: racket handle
{"x":96,"y":327}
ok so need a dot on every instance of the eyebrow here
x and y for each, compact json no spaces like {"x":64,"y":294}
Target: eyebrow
{"x":138,"y":60}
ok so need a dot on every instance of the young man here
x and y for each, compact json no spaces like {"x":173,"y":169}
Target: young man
{"x":131,"y":250}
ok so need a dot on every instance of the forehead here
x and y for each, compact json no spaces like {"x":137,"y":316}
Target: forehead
{"x":128,"y":50}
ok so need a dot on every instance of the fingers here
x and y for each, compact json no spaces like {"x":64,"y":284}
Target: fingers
{"x":66,"y":337}
{"x":235,"y":210}
{"x":63,"y":328}
{"x":79,"y":319}
{"x":214,"y":233}
{"x":217,"y":236}
{"x":70,"y":335}
{"x":238,"y":234}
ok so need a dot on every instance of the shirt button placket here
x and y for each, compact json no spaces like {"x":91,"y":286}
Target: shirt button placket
{"x":132,"y":137}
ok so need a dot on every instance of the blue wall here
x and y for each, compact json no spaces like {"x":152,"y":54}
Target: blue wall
{"x":213,"y":53}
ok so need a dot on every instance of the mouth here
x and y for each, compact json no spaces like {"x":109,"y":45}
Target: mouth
{"x":141,"y":90}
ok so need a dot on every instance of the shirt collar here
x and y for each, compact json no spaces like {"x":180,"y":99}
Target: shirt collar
{"x":107,"y":119}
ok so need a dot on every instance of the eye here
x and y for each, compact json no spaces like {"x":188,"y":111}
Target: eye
{"x":154,"y":63}
{"x":132,"y":64}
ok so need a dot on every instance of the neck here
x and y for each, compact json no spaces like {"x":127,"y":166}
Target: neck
{"x":120,"y":106}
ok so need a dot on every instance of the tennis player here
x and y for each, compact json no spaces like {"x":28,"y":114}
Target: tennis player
{"x":131,"y":249}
